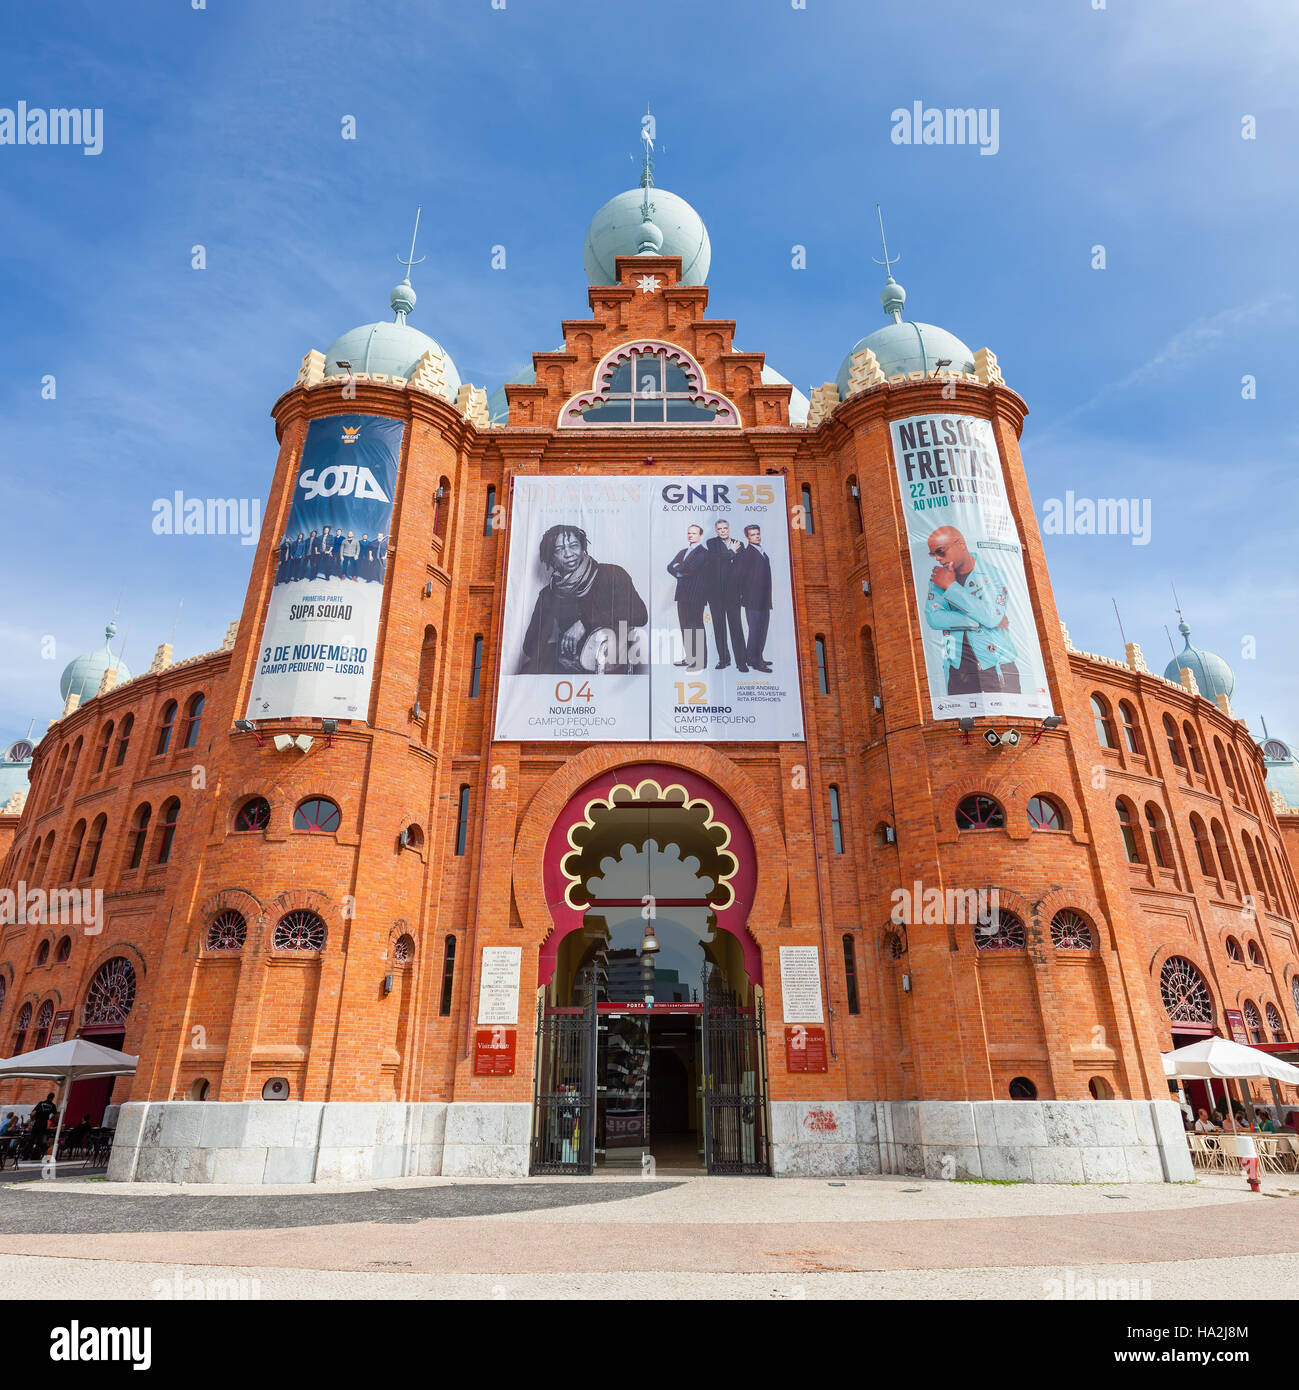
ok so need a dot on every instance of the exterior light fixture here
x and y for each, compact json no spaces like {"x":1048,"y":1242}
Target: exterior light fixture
{"x":245,"y":726}
{"x":992,"y":738}
{"x":1051,"y":721}
{"x":387,"y":984}
{"x":428,"y":589}
{"x":650,"y":942}
{"x":1011,"y":736}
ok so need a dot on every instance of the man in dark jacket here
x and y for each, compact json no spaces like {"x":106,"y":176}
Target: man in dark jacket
{"x":692,"y":569}
{"x":754,"y":588}
{"x":724,"y":598}
{"x":43,"y":1112}
{"x":585,"y":617}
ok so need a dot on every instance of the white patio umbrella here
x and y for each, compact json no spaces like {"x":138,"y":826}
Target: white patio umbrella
{"x":78,"y":1059}
{"x":1220,"y":1057}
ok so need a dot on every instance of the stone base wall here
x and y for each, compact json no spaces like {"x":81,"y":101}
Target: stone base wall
{"x":256,"y":1142}
{"x":1065,"y":1141}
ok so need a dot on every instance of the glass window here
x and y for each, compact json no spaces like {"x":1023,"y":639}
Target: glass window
{"x":979,"y":813}
{"x":822,"y":672}
{"x":462,"y":822}
{"x":1044,"y":814}
{"x":164,"y":728}
{"x":317,"y":814}
{"x":1131,"y":840}
{"x":836,"y":824}
{"x":193,"y":714}
{"x":124,"y":740}
{"x":651,"y":388}
{"x":1104,"y":725}
{"x":476,"y":674}
{"x":448,"y":976}
{"x":850,"y":975}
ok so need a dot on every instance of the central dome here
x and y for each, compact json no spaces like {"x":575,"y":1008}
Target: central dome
{"x":81,"y":676}
{"x":616,"y":231}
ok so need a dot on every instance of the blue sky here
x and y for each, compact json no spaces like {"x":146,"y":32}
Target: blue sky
{"x":1119,"y":126}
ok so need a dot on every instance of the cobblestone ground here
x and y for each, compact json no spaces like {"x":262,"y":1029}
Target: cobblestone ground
{"x":696,"y":1238}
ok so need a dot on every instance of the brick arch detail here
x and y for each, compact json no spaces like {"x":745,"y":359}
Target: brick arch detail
{"x":291,"y":900}
{"x":401,"y":927}
{"x":1013,"y":901}
{"x":1178,"y":948}
{"x":119,"y":948}
{"x":753,"y":803}
{"x":240,"y":900}
{"x":1001,"y":789}
{"x":1082,"y":901}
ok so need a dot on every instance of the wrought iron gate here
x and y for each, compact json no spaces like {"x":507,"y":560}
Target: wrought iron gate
{"x":735,"y":1083}
{"x":563,"y":1113}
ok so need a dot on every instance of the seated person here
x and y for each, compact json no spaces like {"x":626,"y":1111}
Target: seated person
{"x":1204,"y":1125}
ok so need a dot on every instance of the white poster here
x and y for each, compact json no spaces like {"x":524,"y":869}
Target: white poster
{"x":800,"y":985}
{"x":498,"y":985}
{"x":649,"y":607}
{"x":322,"y":620}
{"x":982,"y":654}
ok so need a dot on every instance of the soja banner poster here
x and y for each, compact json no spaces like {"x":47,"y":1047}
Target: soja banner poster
{"x":982,"y":654}
{"x":649,"y":607}
{"x":317,"y":653}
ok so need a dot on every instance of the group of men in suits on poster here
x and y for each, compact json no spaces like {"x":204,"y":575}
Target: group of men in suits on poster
{"x":732,"y":580}
{"x":330,"y":554}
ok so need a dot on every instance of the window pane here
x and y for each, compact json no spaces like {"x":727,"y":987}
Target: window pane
{"x":690,"y":411}
{"x":620,"y":382}
{"x":610,"y":413}
{"x":649,"y":375}
{"x":648,"y":410}
{"x":676,"y":378}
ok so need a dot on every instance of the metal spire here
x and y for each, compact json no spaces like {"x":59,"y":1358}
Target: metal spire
{"x":892,"y":296}
{"x":886,"y":262}
{"x":403,"y":297}
{"x":410,"y":260}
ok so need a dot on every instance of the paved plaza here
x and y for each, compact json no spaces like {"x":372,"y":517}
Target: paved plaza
{"x":750,"y":1238}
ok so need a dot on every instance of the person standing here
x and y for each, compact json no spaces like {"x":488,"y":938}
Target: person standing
{"x":325,"y":557}
{"x":723,"y":597}
{"x":348,"y":553}
{"x":754,"y":594}
{"x":42,"y":1113}
{"x":381,"y":556}
{"x":690,"y":568}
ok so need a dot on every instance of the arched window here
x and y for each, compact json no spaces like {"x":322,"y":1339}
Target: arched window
{"x":489,"y":511}
{"x":1233,"y":950}
{"x":836,"y":821}
{"x":44,"y":1020}
{"x":412,"y":837}
{"x":1185,"y":995}
{"x":42,"y":953}
{"x":850,"y":974}
{"x":1252,"y":860}
{"x":59,"y":782}
{"x":317,"y":813}
{"x":1203,"y":852}
{"x":1071,"y":931}
{"x":1267,"y":868}
{"x":1224,"y":852}
{"x":476,"y":670}
{"x":891,"y":946}
{"x":70,"y":775}
{"x":428,"y":653}
{"x":462,"y":821}
{"x":1294,"y":991}
{"x":124,"y":739}
{"x":1255,"y":955}
{"x":854,"y":506}
{"x":64,"y":949}
{"x":167,"y":831}
{"x":193,"y":717}
{"x":254,"y":814}
{"x":139,"y":833}
{"x":1021,"y":1088}
{"x":808,"y":524}
{"x":1100,"y":1088}
{"x":1104,"y":724}
{"x":822,"y":670}
{"x":105,"y":743}
{"x":1159,"y":842}
{"x":1044,"y":813}
{"x":111,"y":995}
{"x":74,"y":849}
{"x":1174,"y":743}
{"x":1005,"y":932}
{"x":96,"y":844}
{"x":979,"y":813}
{"x":1221,"y":755}
{"x":1239,"y":776}
{"x":650,"y":384}
{"x":1192,"y":748}
{"x":441,"y":507}
{"x":403,"y":949}
{"x":227,"y":931}
{"x":164,"y":728}
{"x":1128,"y":829}
{"x":869,"y":670}
{"x":299,"y":930}
{"x":21,"y":1026}
{"x":43,"y":863}
{"x":1275,"y":1024}
{"x":1253,"y":1023}
{"x":1131,"y":733}
{"x":448,"y":975}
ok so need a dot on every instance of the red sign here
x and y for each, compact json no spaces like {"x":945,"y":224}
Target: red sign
{"x":494,"y":1051}
{"x":1236,"y":1026}
{"x":666,"y":1007}
{"x":59,"y":1029}
{"x":805,"y":1048}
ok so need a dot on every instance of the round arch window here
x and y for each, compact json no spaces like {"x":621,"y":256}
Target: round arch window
{"x":300,"y":931}
{"x":201,"y":1089}
{"x":1233,"y":949}
{"x":1004,"y":933}
{"x":1044,"y":813}
{"x":254,"y":814}
{"x":1184,"y":992}
{"x":1100,"y":1088}
{"x":403,"y":952}
{"x":1255,"y":955}
{"x":318,"y":814}
{"x":111,"y":995}
{"x":64,"y":949}
{"x":227,"y":931}
{"x":42,"y":953}
{"x":1021,"y":1088}
{"x":1071,"y":931}
{"x":979,"y":813}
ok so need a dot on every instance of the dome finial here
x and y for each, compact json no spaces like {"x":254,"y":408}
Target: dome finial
{"x":1182,"y":626}
{"x":402,"y":298}
{"x":892,"y":296}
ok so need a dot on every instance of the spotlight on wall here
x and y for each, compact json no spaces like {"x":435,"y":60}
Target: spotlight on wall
{"x":329,"y":727}
{"x":1051,"y":721}
{"x":940,"y":364}
{"x":245,"y":726}
{"x":965,"y":724}
{"x":388,"y":983}
{"x":906,"y":982}
{"x":283,"y":742}
{"x":866,"y":587}
{"x":428,"y":589}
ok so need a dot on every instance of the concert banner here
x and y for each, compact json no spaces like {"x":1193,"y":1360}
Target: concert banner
{"x":982,"y":654}
{"x":649,"y":607}
{"x":317,"y":651}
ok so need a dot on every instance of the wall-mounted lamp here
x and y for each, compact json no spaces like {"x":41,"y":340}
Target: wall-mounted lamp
{"x":388,"y":983}
{"x":866,"y":586}
{"x":906,"y":982}
{"x":428,"y":589}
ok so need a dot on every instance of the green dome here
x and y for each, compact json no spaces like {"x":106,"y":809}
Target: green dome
{"x":902,"y":348}
{"x":82,"y":675}
{"x":1213,"y":676}
{"x":391,"y":348}
{"x":616,"y":230}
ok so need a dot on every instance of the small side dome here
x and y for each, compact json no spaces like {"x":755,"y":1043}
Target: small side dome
{"x":81,"y":676}
{"x":618,"y":229}
{"x":1213,"y":676}
{"x":1280,"y":771}
{"x":902,"y":348}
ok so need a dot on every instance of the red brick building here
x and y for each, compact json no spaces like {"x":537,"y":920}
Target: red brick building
{"x":293,"y":938}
